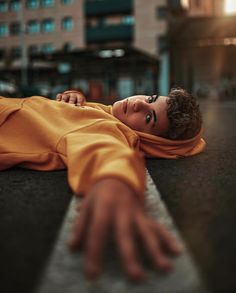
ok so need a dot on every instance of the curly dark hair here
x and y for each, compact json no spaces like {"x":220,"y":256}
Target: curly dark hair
{"x":184,"y":115}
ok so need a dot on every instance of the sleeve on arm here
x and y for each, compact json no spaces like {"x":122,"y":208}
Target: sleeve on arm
{"x":93,"y":157}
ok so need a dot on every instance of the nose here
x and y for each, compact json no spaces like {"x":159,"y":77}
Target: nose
{"x":139,"y":105}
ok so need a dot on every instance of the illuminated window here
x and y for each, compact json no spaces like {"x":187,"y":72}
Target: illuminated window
{"x":48,"y":25}
{"x":33,"y":27}
{"x":47,"y":3}
{"x":129,"y":19}
{"x":3,"y":6}
{"x":48,"y":48}
{"x":4,"y":30}
{"x":66,"y":2}
{"x":32,"y":4}
{"x":67,"y":24}
{"x":15,"y":5}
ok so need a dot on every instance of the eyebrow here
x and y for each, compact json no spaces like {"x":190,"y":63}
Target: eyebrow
{"x":155,"y":97}
{"x":154,"y":113}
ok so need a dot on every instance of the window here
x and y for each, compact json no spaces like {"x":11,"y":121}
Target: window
{"x":162,"y":12}
{"x":48,"y":48}
{"x":128,"y":19}
{"x":3,"y":30}
{"x":33,"y":27}
{"x":3,"y":6}
{"x":67,"y":24}
{"x":162,"y":43}
{"x":15,"y":28}
{"x":2,"y":53}
{"x":47,"y":3}
{"x":33,"y":49}
{"x":15,"y":5}
{"x":48,"y":25}
{"x":16,"y":52}
{"x":66,"y":2}
{"x":67,"y":47}
{"x":32,"y":4}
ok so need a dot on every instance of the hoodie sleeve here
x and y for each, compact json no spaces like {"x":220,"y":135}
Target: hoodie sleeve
{"x":90,"y":157}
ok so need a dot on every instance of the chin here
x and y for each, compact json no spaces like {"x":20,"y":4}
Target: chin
{"x":116,"y":109}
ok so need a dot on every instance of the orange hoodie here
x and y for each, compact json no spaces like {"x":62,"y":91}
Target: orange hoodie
{"x":43,"y":134}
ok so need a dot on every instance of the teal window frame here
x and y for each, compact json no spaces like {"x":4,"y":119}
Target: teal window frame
{"x":3,"y":6}
{"x":67,"y":24}
{"x":128,"y":19}
{"x":33,"y":27}
{"x":15,"y":5}
{"x":48,"y":25}
{"x":67,"y":2}
{"x":4,"y":30}
{"x":48,"y":48}
{"x":47,"y":3}
{"x":32,"y":4}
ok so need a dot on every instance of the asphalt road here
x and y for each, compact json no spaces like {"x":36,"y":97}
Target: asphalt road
{"x":199,"y":192}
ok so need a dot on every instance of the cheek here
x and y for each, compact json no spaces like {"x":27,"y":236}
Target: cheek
{"x":136,"y":122}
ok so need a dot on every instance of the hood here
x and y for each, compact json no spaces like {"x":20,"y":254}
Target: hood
{"x":159,"y":147}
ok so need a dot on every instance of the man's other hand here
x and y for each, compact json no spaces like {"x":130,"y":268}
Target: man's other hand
{"x":72,"y":97}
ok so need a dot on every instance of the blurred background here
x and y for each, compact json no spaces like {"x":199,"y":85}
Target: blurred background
{"x":112,"y":49}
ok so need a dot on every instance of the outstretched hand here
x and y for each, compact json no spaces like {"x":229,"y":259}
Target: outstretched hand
{"x":71,"y":97}
{"x":110,"y":203}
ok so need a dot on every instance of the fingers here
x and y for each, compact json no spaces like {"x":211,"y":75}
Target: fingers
{"x":79,"y":225}
{"x":58,"y":97}
{"x":71,"y":98}
{"x":125,"y":241}
{"x":167,"y":240}
{"x":97,"y":238}
{"x":152,"y":244}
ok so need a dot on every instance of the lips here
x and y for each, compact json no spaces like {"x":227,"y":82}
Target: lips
{"x":125,"y":106}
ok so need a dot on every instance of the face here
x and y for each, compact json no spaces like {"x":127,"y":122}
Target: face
{"x":143,"y":113}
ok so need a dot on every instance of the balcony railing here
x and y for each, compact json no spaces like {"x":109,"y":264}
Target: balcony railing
{"x":122,"y":32}
{"x":102,"y":7}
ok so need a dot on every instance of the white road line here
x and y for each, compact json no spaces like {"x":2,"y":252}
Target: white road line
{"x":64,"y":271}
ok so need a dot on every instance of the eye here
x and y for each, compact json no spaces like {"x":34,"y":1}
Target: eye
{"x":148,"y":118}
{"x":150,"y":100}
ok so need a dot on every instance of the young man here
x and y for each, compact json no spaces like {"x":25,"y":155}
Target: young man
{"x":102,"y":147}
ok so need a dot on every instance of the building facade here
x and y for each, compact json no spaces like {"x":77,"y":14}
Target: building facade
{"x":107,"y":28}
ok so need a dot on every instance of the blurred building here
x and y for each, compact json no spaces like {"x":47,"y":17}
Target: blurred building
{"x":202,"y":48}
{"x":115,"y":48}
{"x":104,"y":47}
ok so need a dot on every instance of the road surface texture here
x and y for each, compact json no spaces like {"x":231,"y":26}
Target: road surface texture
{"x":199,"y":193}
